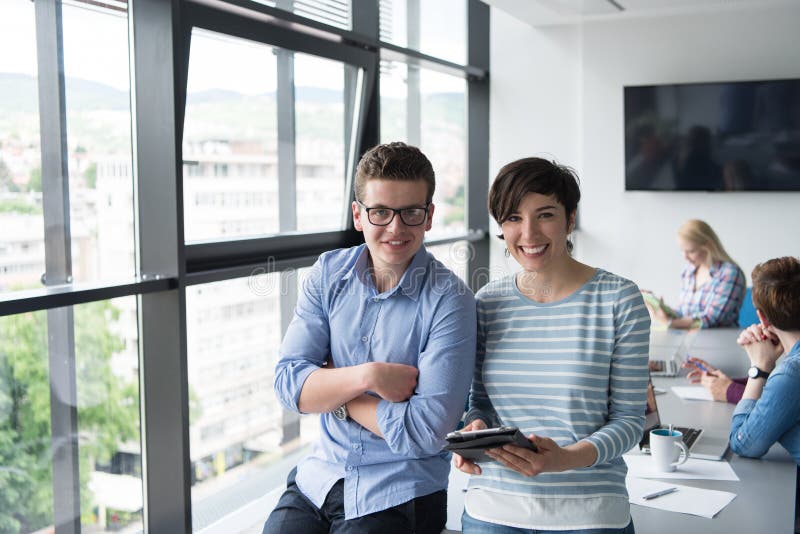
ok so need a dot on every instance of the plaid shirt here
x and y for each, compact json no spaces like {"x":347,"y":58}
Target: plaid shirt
{"x":717,"y":302}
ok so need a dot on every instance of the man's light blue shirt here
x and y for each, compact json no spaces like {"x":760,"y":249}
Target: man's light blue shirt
{"x":428,"y":321}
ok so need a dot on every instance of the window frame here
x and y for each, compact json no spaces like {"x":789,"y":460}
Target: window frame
{"x":160,"y":34}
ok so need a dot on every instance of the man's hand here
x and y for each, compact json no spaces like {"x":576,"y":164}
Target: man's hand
{"x":698,"y":366}
{"x":462,"y":464}
{"x":714,"y":380}
{"x":717,"y":383}
{"x":394,"y":382}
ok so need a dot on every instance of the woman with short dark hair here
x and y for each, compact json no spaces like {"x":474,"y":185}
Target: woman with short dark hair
{"x":562,"y":354}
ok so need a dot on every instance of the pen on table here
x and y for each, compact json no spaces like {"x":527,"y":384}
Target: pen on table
{"x":659,"y":493}
{"x":697,"y":364}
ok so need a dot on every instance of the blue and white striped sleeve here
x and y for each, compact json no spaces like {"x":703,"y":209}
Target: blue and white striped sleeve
{"x":480,"y":406}
{"x":628,"y":377}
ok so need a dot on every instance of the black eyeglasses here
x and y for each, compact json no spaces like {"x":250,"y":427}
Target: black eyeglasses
{"x":384,"y":216}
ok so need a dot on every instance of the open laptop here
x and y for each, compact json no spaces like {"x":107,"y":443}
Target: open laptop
{"x":666,"y":360}
{"x":700,"y":444}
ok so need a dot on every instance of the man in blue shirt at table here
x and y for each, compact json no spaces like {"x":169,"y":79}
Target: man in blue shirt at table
{"x":382,"y":344}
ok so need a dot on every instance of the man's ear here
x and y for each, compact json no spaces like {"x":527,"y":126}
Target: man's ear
{"x":430,"y":216}
{"x":357,"y":222}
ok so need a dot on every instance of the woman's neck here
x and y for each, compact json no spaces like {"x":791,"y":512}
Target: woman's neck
{"x":555,"y":283}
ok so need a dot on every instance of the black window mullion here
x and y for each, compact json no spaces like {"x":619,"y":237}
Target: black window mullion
{"x":366,"y":21}
{"x":157,"y":41}
{"x":58,"y":267}
{"x":478,"y":142}
{"x":287,"y":199}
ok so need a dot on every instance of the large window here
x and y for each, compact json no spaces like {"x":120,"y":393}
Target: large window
{"x":104,"y":394}
{"x":21,"y":218}
{"x":437,"y":28}
{"x":99,"y":179}
{"x":168,"y":173}
{"x":242,"y":442}
{"x":256,"y":155}
{"x":428,"y":109}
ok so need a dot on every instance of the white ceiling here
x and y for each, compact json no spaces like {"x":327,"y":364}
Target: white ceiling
{"x":555,"y":12}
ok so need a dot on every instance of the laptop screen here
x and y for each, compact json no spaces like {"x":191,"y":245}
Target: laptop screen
{"x":651,"y":418}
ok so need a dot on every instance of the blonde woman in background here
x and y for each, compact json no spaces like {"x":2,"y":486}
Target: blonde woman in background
{"x":712,"y":284}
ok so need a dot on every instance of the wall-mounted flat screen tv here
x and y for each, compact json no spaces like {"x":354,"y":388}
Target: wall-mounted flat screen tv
{"x":727,"y":136}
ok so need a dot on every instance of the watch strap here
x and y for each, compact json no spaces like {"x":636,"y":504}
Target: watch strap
{"x":755,"y":372}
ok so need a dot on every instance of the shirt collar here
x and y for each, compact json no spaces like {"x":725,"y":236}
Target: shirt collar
{"x":411,"y":282}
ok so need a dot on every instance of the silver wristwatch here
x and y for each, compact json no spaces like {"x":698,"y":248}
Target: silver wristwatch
{"x":340,"y":413}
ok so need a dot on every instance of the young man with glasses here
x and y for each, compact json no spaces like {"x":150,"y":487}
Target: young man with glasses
{"x":382,"y":344}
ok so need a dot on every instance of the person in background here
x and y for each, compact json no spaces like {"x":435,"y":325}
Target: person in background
{"x":769,"y":411}
{"x":381,"y":345}
{"x":712,"y":284}
{"x":562,"y":354}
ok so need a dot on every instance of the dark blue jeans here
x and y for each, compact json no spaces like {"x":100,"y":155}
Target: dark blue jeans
{"x":295,"y":514}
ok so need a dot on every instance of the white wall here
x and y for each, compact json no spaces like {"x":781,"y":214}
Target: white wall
{"x":543,"y":77}
{"x":535,"y":100}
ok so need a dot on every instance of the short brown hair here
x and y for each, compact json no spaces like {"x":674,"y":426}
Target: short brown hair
{"x":776,"y":292}
{"x":394,"y":161}
{"x":532,"y":175}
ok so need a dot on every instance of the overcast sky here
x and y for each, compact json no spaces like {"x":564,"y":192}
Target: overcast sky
{"x":96,"y":48}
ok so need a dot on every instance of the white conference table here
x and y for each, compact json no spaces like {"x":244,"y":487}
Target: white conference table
{"x":765,"y":501}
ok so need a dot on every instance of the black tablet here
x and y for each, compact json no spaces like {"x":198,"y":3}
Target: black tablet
{"x":472,"y":444}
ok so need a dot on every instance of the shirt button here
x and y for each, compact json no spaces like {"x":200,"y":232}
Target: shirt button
{"x":349,"y":467}
{"x":365,"y":339}
{"x":739,"y":435}
{"x":375,"y":299}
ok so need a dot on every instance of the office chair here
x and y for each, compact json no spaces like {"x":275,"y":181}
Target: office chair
{"x":747,"y":313}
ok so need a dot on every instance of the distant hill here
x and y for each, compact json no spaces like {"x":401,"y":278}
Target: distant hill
{"x":303,"y":94}
{"x":20,"y":93}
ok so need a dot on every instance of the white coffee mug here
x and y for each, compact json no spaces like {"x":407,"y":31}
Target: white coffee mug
{"x":665,"y":448}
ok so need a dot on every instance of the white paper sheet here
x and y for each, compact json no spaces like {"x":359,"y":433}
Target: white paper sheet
{"x":686,"y":500}
{"x":642,"y":466}
{"x":692,"y":393}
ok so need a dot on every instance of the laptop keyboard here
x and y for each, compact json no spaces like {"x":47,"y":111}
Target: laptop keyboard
{"x":690,"y":435}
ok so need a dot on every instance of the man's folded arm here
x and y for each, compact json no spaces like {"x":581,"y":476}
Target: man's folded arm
{"x":417,"y":427}
{"x":302,"y":381}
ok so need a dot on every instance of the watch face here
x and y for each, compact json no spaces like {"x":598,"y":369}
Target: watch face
{"x":755,"y":372}
{"x":340,"y":413}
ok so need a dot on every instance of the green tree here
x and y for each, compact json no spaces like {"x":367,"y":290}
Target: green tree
{"x":90,"y":175}
{"x":35,"y":181}
{"x":108,"y":411}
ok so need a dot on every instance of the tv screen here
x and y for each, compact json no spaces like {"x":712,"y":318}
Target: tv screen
{"x":728,"y":136}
